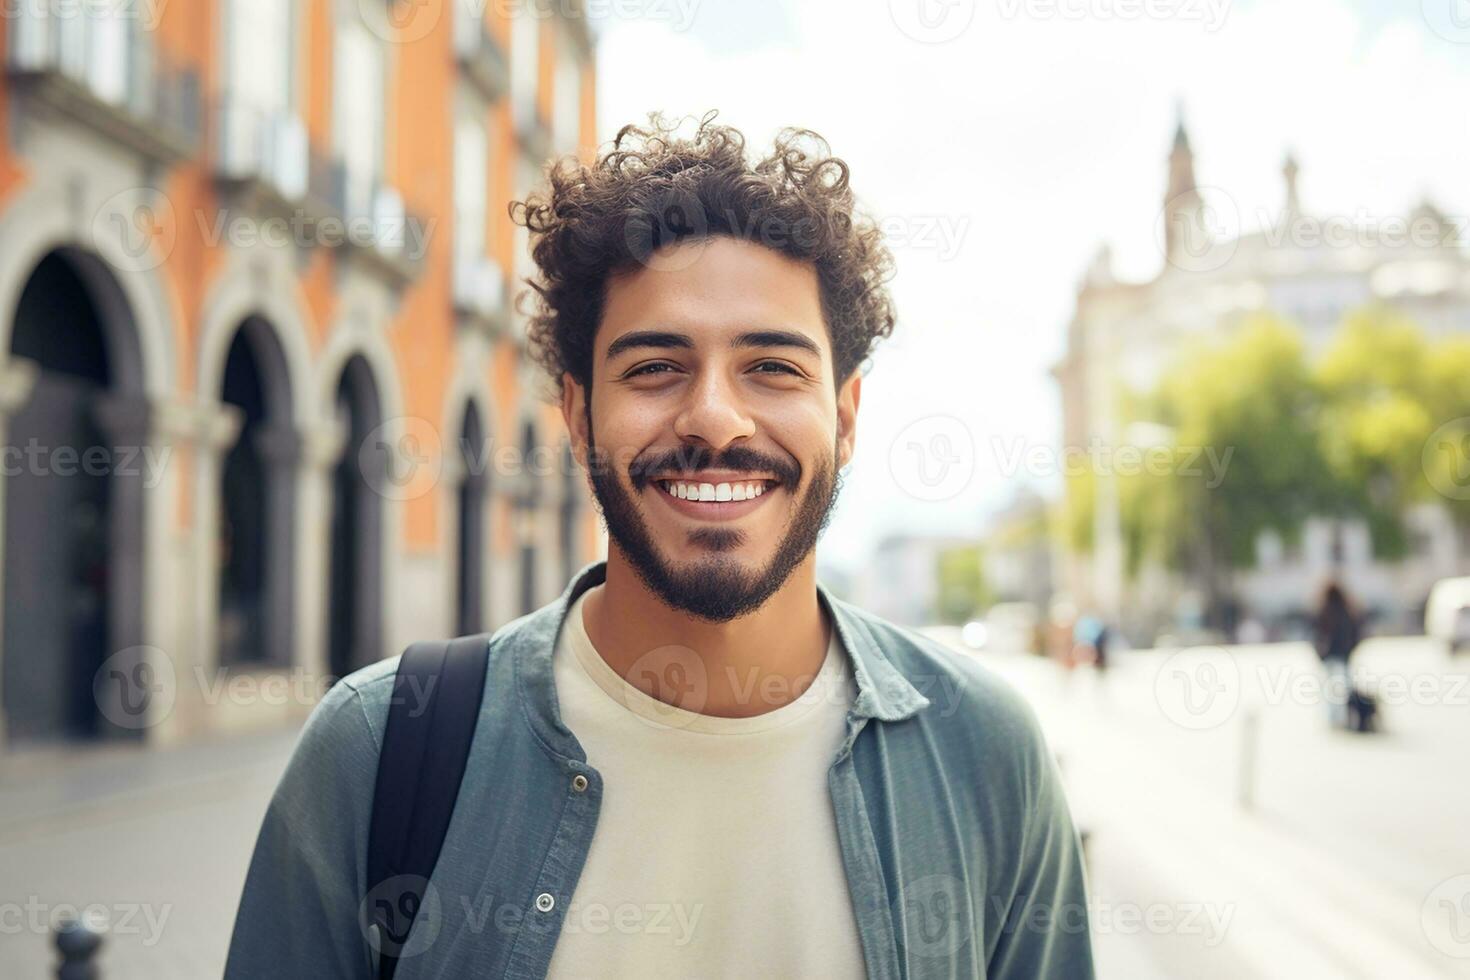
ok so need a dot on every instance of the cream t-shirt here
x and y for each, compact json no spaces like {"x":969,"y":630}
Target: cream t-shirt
{"x":716,"y":851}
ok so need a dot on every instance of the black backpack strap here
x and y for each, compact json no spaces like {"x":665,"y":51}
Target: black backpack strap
{"x":436,"y":702}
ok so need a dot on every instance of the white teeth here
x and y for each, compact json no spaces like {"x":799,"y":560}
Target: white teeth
{"x":714,"y":491}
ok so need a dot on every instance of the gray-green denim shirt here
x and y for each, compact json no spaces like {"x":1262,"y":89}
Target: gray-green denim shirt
{"x":961,"y":856}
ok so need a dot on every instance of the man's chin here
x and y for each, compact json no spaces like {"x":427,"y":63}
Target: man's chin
{"x":713,"y":585}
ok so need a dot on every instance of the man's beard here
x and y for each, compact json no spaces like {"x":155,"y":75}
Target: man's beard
{"x":711,"y":588}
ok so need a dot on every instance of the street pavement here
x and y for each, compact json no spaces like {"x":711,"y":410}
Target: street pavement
{"x":159,"y":839}
{"x":1334,"y":855}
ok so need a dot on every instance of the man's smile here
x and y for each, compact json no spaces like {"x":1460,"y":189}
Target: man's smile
{"x":713,"y":495}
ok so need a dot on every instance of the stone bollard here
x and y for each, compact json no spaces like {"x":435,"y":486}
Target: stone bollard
{"x":1250,"y":743}
{"x":78,"y":944}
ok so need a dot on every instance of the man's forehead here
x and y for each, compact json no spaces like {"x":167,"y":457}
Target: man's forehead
{"x":714,"y":290}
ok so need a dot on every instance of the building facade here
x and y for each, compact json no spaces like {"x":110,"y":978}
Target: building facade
{"x":1310,"y":269}
{"x":266,"y":407}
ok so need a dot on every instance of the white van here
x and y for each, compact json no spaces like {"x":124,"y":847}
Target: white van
{"x":1447,"y":614}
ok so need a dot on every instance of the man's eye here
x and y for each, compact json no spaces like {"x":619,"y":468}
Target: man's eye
{"x":657,"y":367}
{"x":776,"y":367}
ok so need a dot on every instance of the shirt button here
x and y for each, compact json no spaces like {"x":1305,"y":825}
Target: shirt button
{"x":579,"y":783}
{"x":545,"y":902}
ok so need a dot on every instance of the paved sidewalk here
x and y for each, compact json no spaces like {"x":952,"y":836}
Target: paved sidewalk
{"x":1330,"y":872}
{"x":160,"y":838}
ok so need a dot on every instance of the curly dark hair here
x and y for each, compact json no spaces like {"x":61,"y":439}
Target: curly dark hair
{"x":653,"y":188}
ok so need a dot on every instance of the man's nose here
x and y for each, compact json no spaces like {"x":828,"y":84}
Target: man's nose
{"x":713,"y":413}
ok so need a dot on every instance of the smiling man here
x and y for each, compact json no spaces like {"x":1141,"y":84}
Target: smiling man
{"x":697,"y":762}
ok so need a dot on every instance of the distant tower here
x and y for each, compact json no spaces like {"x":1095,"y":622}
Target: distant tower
{"x":1289,"y":170}
{"x":1185,"y":234}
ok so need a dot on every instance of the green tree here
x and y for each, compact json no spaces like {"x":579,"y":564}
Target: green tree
{"x":962,"y":588}
{"x":1246,"y":456}
{"x":1447,"y":397}
{"x":1376,"y":418}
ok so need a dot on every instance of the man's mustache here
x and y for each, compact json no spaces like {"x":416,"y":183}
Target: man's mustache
{"x":684,"y":459}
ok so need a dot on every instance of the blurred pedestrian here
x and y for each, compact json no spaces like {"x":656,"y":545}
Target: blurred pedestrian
{"x":1090,"y":641}
{"x":1336,"y":633}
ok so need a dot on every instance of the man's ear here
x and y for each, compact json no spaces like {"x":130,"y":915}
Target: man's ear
{"x":574,"y":413}
{"x":848,"y":397}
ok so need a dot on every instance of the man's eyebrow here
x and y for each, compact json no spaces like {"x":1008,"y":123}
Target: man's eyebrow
{"x":777,"y":338}
{"x":647,"y":338}
{"x":665,"y":339}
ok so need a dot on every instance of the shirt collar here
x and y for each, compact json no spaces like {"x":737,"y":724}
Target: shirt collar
{"x":883,"y":691}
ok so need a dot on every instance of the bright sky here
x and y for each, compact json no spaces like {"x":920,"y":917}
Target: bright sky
{"x":1003,"y":156}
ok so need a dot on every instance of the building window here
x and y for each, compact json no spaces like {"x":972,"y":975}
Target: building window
{"x":471,"y":166}
{"x":525,"y":66}
{"x":360,"y":96}
{"x":260,"y":54}
{"x":566,"y":97}
{"x":108,"y":53}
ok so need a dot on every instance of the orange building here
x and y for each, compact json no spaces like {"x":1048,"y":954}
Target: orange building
{"x":266,"y":409}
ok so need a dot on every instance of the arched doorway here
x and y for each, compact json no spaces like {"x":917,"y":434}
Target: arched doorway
{"x":527,"y":503}
{"x":473,"y":490}
{"x":355,"y":596}
{"x":75,"y":471}
{"x":257,"y":503}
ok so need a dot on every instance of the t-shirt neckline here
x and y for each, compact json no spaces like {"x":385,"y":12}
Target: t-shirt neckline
{"x":830,"y":683}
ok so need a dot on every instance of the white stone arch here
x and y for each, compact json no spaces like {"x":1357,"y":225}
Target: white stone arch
{"x":473,"y":360}
{"x":535,"y":491}
{"x":264,"y":288}
{"x":358,"y":333}
{"x":469,"y":385}
{"x":261,"y":286}
{"x":51,"y":216}
{"x":354,"y":334}
{"x":138,"y":315}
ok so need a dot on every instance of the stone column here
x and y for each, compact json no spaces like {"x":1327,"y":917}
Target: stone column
{"x":202,"y":432}
{"x":321,"y":447}
{"x":126,"y":423}
{"x":475,"y":485}
{"x":280,"y":451}
{"x":17,"y":381}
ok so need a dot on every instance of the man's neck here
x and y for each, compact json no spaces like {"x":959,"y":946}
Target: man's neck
{"x":747,"y":666}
